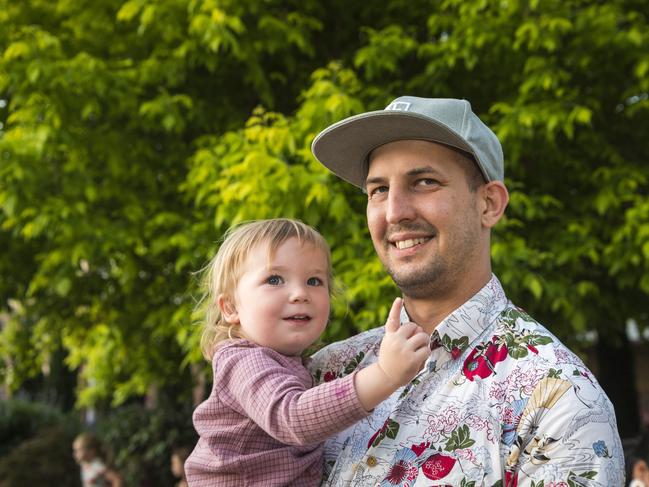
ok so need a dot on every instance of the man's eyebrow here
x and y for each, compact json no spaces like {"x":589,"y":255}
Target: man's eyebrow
{"x":417,"y":171}
{"x":373,"y":180}
{"x":422,"y":170}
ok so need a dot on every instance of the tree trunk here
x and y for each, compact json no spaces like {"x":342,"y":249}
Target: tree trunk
{"x":616,"y":374}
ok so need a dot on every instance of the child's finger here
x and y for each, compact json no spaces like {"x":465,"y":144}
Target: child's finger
{"x":407,"y":330}
{"x":394,"y":316}
{"x":420,"y":340}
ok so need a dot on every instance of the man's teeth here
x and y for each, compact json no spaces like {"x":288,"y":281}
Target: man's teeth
{"x":406,"y":244}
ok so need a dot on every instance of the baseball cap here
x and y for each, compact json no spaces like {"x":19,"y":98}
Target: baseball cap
{"x":344,"y":147}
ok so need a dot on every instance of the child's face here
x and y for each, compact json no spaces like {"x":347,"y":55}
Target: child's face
{"x":283,"y":303}
{"x":80,"y":452}
{"x":177,"y":468}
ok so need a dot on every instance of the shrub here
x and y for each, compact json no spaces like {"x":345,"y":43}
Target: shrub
{"x":142,"y":441}
{"x":21,"y":420}
{"x":45,"y":459}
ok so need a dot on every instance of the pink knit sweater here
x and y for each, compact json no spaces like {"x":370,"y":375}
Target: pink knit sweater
{"x":264,"y":423}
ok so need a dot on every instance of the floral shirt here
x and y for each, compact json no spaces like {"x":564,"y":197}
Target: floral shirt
{"x":500,"y":402}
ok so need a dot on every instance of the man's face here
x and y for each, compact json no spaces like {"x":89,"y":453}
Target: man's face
{"x":424,"y":221}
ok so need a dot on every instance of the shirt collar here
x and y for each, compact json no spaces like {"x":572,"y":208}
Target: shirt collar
{"x":459,"y":329}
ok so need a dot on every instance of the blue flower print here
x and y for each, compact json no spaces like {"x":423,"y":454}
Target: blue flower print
{"x":600,"y":449}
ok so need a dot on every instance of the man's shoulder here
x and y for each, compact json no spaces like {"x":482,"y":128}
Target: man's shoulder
{"x":530,"y":332}
{"x":343,"y":357}
{"x":528,"y":339}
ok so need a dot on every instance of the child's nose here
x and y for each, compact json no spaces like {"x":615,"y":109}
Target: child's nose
{"x":299,"y":293}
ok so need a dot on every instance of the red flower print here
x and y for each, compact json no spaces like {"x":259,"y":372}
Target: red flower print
{"x":482,"y":360}
{"x":455,"y":352}
{"x":420,"y":448}
{"x":398,"y":472}
{"x":511,"y":480}
{"x":329,"y":376}
{"x":532,"y":349}
{"x":369,"y":443}
{"x":437,"y":466}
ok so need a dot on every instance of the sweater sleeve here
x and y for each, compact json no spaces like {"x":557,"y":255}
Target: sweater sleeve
{"x":274,"y":391}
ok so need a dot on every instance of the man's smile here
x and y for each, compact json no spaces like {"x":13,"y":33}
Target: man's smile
{"x":411,"y":242}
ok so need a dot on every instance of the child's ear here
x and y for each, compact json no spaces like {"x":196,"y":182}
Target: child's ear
{"x":228,"y":310}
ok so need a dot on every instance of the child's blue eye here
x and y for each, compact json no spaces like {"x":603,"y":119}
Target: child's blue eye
{"x":275,"y":280}
{"x":314,"y":281}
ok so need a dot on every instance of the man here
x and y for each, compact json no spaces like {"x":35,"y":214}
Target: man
{"x":500,"y":401}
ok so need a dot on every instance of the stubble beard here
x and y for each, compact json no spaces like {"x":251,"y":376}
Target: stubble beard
{"x":440,"y":275}
{"x":427,"y":281}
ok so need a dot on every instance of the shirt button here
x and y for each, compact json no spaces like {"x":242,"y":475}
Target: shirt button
{"x":371,"y":461}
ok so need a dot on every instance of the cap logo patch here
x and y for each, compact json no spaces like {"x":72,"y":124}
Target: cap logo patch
{"x":400,"y":106}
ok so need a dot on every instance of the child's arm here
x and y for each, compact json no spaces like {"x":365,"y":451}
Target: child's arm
{"x":404,"y":350}
{"x":257,"y":382}
{"x":276,"y":393}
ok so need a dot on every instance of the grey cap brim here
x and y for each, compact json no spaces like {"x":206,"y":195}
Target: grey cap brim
{"x":344,"y":147}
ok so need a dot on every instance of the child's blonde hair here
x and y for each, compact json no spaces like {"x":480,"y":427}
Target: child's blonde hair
{"x":90,"y":442}
{"x":223,"y":272}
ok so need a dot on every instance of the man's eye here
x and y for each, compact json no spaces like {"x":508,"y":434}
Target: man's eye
{"x":274,"y":280}
{"x":314,"y":281}
{"x":426,"y":182}
{"x":376,"y":191}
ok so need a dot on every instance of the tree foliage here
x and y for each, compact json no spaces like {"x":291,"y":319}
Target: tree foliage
{"x":134,"y":133}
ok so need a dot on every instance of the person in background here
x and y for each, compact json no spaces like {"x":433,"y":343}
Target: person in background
{"x":637,"y":462}
{"x":178,"y":456}
{"x":267,"y":297}
{"x":88,"y":452}
{"x":500,"y":401}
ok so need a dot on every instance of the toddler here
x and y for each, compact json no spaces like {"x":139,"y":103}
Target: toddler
{"x":88,"y":453}
{"x":267,"y":299}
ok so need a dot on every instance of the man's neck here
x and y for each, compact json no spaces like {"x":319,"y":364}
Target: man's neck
{"x":429,"y":312}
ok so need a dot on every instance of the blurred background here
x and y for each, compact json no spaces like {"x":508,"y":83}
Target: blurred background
{"x":132,"y":134}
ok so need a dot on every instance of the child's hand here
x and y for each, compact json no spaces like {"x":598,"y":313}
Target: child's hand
{"x":404,"y":348}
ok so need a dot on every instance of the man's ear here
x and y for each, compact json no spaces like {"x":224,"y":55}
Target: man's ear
{"x":494,"y":198}
{"x":228,"y":309}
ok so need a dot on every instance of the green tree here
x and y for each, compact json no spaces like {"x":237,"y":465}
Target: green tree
{"x":135,"y":133}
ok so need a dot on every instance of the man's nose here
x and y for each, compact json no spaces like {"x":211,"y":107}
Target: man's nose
{"x":399,"y":206}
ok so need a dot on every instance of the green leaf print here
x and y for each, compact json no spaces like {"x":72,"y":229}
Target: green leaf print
{"x":379,"y":438}
{"x":517,"y":352}
{"x":464,"y":483}
{"x":538,"y":339}
{"x":572,"y":482}
{"x":460,"y":438}
{"x":510,"y":316}
{"x":351,"y":366}
{"x":392,"y":429}
{"x":389,"y":429}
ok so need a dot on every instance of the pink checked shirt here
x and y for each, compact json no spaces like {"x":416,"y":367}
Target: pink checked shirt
{"x":264,"y":423}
